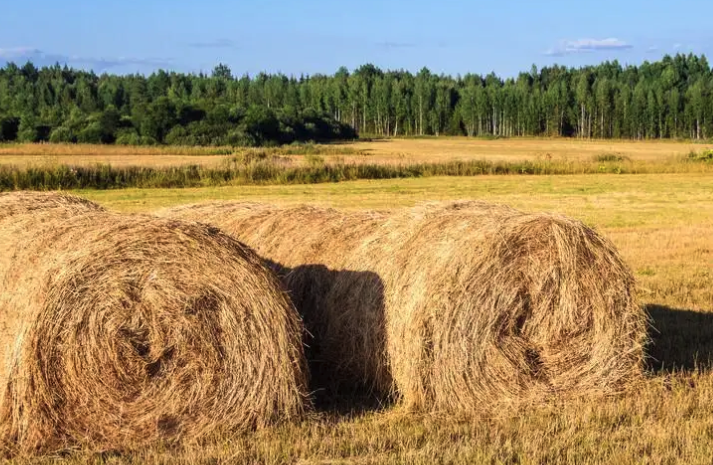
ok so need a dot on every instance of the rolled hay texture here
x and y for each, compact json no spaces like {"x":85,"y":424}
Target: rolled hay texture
{"x":120,"y":330}
{"x":457,"y":306}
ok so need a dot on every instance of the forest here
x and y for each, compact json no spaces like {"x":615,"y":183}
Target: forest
{"x":670,"y":98}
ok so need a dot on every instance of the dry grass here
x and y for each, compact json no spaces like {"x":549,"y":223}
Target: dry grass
{"x":41,"y":155}
{"x":454,"y":307}
{"x":67,"y":150}
{"x":123,"y":330}
{"x":651,"y":154}
{"x":518,"y":149}
{"x":37,"y":161}
{"x":663,"y":227}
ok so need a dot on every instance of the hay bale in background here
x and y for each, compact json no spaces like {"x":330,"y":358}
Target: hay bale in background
{"x":119,"y":330}
{"x":454,"y":306}
{"x":342,"y":302}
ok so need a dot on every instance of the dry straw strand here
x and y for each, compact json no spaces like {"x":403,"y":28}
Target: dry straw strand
{"x":455,"y":306}
{"x":119,"y":330}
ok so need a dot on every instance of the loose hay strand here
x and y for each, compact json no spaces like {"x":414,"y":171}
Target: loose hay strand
{"x":120,"y":330}
{"x":456,"y":306}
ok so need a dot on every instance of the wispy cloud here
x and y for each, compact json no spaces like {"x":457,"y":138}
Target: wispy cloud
{"x":572,"y":47}
{"x":217,"y":43}
{"x":652,"y":49}
{"x":388,"y":45}
{"x":106,"y":63}
{"x":15,"y":52}
{"x":41,"y":58}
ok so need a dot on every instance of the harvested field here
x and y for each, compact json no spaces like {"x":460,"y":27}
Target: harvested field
{"x":454,"y":307}
{"x":522,"y":148}
{"x":119,"y":331}
{"x":47,"y":155}
{"x":663,"y":227}
{"x":651,"y":155}
{"x":118,"y":161}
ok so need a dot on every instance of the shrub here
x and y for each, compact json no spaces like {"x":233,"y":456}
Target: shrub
{"x":62,"y":135}
{"x":610,"y":158}
{"x":128,"y":137}
{"x":92,"y":134}
{"x":706,"y":156}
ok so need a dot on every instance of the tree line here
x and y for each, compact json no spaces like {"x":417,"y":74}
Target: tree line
{"x":60,"y":104}
{"x":671,"y":98}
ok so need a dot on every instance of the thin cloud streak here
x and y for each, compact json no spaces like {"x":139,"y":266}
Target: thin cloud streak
{"x":573,"y":47}
{"x":41,"y":58}
{"x":13,"y":52}
{"x":218,"y":43}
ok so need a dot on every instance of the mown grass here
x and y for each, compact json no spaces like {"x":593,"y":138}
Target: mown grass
{"x":669,"y":424}
{"x":49,"y":155}
{"x":379,"y":150}
{"x":47,"y":149}
{"x":305,"y":149}
{"x":663,"y":226}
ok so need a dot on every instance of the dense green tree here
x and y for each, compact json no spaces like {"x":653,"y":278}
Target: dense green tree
{"x":671,"y":98}
{"x":222,"y":71}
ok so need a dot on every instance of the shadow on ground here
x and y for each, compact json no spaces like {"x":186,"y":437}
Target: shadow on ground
{"x":680,"y":339}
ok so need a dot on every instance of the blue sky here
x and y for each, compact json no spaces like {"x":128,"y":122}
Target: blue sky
{"x":311,"y":36}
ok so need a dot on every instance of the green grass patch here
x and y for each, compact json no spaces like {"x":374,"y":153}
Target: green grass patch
{"x":705,"y":156}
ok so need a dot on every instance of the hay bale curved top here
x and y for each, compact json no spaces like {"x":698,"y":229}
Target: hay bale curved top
{"x":454,"y":306}
{"x":128,"y":329}
{"x":23,"y":202}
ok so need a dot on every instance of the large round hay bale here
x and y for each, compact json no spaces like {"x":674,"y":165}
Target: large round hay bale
{"x":119,"y":330}
{"x":341,"y":299}
{"x":452,"y":306}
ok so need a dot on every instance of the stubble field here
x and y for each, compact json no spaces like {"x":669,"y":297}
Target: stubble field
{"x":386,"y":151}
{"x":661,"y":223}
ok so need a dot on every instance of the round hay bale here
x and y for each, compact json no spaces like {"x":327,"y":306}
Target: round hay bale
{"x":499,"y":306}
{"x":455,"y":306}
{"x":120,"y":330}
{"x":340,"y":299}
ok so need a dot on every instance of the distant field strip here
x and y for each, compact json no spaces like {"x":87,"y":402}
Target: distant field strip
{"x":242,"y":171}
{"x":384,"y":151}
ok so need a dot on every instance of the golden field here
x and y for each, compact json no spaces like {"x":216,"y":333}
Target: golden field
{"x":386,"y":151}
{"x":663,"y":226}
{"x":518,"y":149}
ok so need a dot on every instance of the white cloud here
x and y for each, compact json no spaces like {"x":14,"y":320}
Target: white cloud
{"x":571,"y":47}
{"x":652,"y":49}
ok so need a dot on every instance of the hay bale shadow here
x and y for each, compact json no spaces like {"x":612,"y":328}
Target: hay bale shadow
{"x":334,"y":391}
{"x":681,"y":340}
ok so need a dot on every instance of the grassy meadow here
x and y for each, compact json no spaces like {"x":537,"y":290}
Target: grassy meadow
{"x":662,"y":225}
